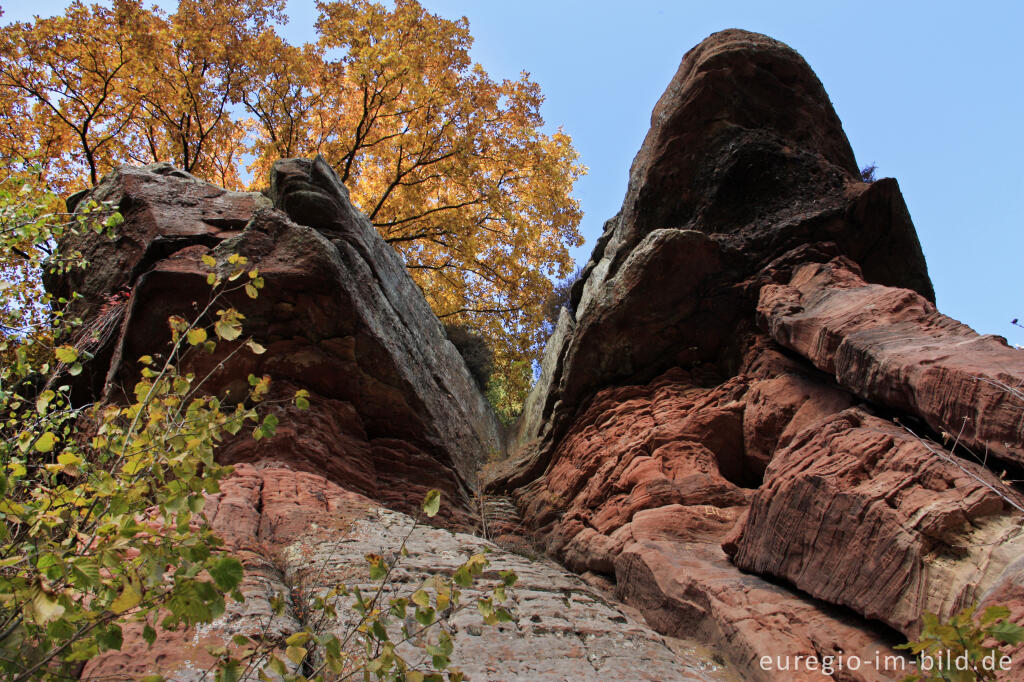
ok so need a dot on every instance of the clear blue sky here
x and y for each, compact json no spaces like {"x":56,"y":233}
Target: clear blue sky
{"x":932,"y":92}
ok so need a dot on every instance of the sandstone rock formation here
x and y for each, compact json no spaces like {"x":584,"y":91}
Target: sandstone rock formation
{"x":393,"y":412}
{"x":300,"y":534}
{"x":918,"y":362}
{"x":754,"y":423}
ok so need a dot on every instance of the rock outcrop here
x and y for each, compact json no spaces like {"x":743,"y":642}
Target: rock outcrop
{"x":756,"y":425}
{"x":301,"y":535}
{"x":753,"y":425}
{"x":932,"y":533}
{"x":393,"y":412}
{"x":894,"y":349}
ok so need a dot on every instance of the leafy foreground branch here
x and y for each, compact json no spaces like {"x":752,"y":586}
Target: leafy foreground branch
{"x":101,"y":509}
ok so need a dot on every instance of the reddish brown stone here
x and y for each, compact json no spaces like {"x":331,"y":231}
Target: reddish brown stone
{"x":638,"y":491}
{"x":299,"y":535}
{"x":641,"y":447}
{"x":744,"y":175}
{"x":856,"y":511}
{"x":394,"y":410}
{"x":692,"y":590}
{"x":662,"y":404}
{"x":892,"y":347}
{"x":723,"y":386}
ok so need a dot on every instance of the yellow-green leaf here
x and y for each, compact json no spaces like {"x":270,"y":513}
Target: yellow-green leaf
{"x":46,"y":442}
{"x":420,"y":598}
{"x":128,"y":599}
{"x":432,"y":502}
{"x":68,"y":459}
{"x":227,"y":330}
{"x":43,"y":400}
{"x":43,"y":608}
{"x":66,"y":354}
{"x":297,"y":638}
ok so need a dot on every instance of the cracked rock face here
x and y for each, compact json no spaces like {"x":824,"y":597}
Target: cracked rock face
{"x":756,"y":424}
{"x":394,"y":410}
{"x":300,"y":534}
{"x":755,"y":427}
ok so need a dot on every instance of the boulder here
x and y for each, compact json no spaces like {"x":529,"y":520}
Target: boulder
{"x":165,"y":210}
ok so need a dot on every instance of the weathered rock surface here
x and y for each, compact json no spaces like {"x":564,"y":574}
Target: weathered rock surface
{"x":165,"y":210}
{"x":933,"y":533}
{"x":531,"y":420}
{"x":720,"y":428}
{"x":299,"y":534}
{"x":892,"y":347}
{"x":684,"y":587}
{"x":649,"y":483}
{"x":755,"y":427}
{"x":394,"y":410}
{"x":727,"y":194}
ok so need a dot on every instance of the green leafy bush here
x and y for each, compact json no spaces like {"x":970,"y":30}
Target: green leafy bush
{"x":101,"y":505}
{"x":964,"y":648}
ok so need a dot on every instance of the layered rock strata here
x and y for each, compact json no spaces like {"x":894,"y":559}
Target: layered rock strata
{"x":753,"y":421}
{"x":301,"y":535}
{"x":393,"y":412}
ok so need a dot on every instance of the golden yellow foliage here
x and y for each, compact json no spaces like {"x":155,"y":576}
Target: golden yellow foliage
{"x":449,"y":164}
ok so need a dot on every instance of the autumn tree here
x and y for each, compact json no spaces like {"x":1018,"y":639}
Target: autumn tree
{"x":195,"y":74}
{"x":450,"y":164}
{"x":66,"y":90}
